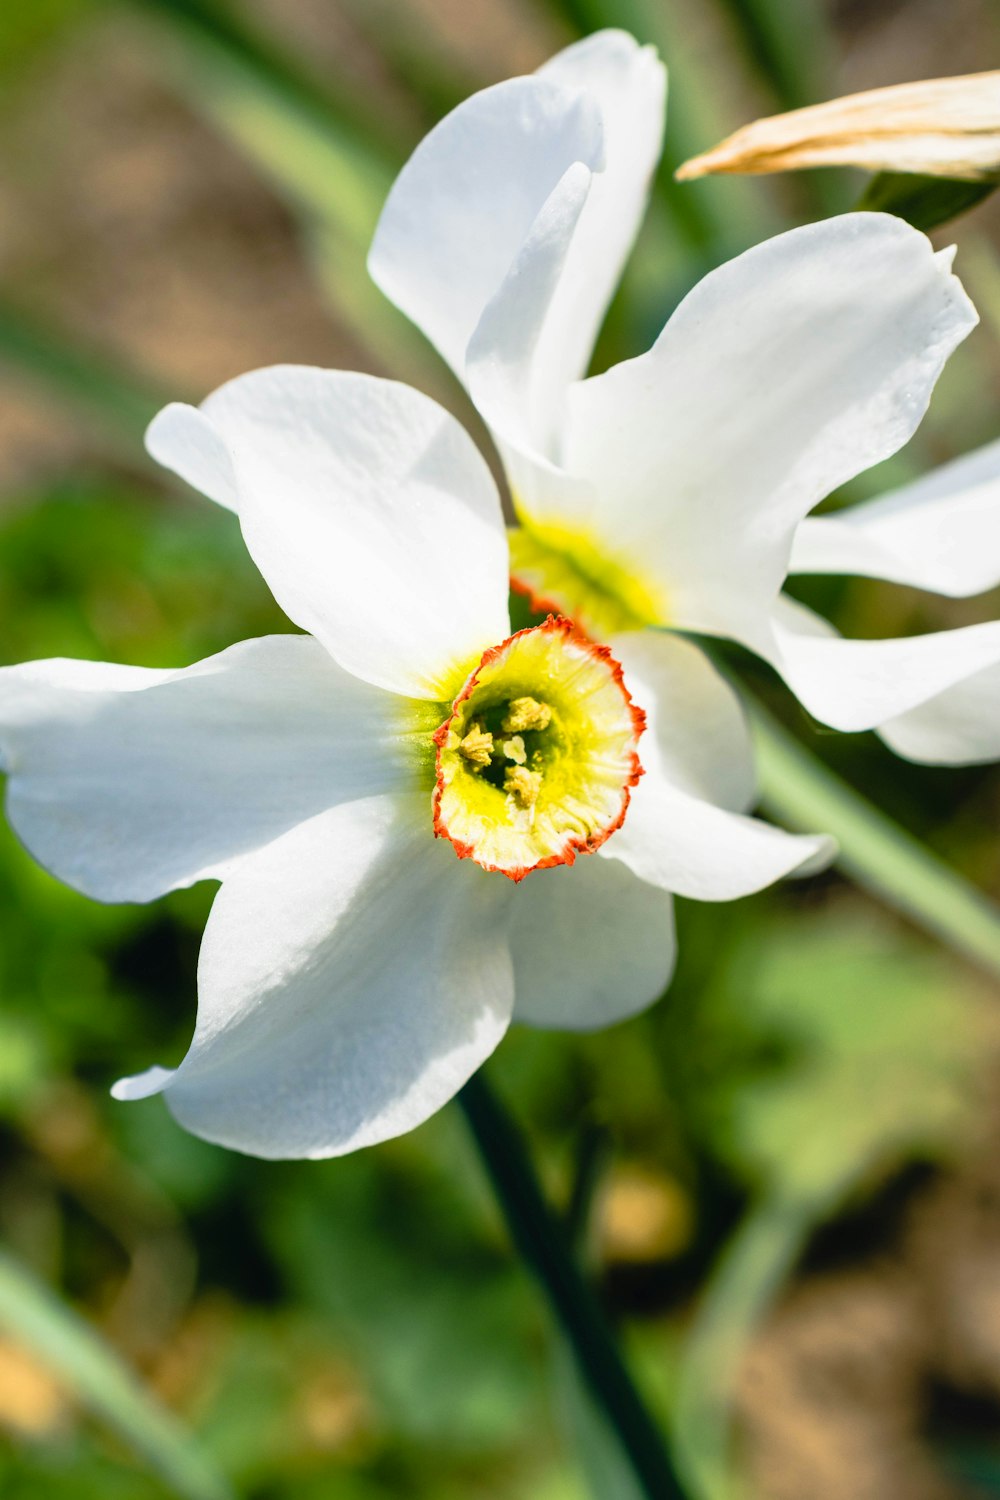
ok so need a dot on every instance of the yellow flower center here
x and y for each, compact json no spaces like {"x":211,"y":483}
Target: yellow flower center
{"x":536,"y":760}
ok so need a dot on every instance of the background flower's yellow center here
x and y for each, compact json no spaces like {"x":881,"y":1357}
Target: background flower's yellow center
{"x":566,"y":570}
{"x":535,"y":763}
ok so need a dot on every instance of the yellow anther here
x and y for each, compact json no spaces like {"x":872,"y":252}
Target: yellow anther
{"x":523,"y":785}
{"x":514,"y":750}
{"x":526,"y":713}
{"x":477,"y":747}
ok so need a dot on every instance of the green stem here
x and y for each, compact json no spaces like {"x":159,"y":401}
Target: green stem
{"x":797,"y":789}
{"x":592,"y":1158}
{"x":541,"y":1241}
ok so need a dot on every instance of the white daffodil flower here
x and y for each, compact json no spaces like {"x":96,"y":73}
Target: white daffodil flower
{"x":372,"y":794}
{"x":674,"y":490}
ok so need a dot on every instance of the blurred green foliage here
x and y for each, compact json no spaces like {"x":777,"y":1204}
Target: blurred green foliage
{"x":924,"y":202}
{"x":358,"y":1328}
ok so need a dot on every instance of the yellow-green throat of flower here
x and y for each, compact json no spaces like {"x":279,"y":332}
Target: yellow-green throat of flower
{"x":566,"y":571}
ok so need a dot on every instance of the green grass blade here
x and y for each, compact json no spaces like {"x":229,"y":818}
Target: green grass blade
{"x":788,"y":42}
{"x":31,"y":1314}
{"x":325,"y":165}
{"x":220,"y":26}
{"x":798,"y":790}
{"x":413,"y":57}
{"x":333,"y":177}
{"x":750,"y":1272}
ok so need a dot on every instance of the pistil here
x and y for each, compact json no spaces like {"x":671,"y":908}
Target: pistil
{"x":514,"y":750}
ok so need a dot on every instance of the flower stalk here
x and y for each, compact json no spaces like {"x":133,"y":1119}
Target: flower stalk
{"x":542,"y":1243}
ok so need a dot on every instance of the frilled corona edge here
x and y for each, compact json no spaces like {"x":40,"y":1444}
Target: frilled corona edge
{"x":536,"y":761}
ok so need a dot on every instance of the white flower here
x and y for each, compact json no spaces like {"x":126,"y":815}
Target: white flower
{"x":674,"y":489}
{"x":354,"y":971}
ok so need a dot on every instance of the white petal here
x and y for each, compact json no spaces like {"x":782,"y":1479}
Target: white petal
{"x":537,"y":334}
{"x":695,"y":849}
{"x":780,"y":376}
{"x":960,"y":727}
{"x":591,"y":945}
{"x":941,"y":533}
{"x":354,"y":974}
{"x":182,"y":438}
{"x":143,"y":1085}
{"x":510,"y":364}
{"x":855,"y":685}
{"x":932,"y":698}
{"x":463,"y":205}
{"x":630,"y":85}
{"x":697,"y":734}
{"x":373,"y":518}
{"x":127,"y":782}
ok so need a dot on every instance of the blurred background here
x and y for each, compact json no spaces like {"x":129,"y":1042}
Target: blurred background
{"x":791,"y":1162}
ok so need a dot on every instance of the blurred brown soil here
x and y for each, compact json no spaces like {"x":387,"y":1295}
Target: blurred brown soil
{"x":876,"y":1375}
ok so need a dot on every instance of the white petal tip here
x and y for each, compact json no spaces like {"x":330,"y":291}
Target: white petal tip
{"x":824,"y":851}
{"x":182,"y":438}
{"x":158,"y":434}
{"x":142,"y":1085}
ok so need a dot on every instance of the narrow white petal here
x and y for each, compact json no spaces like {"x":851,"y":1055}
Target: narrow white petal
{"x":630,"y":85}
{"x":960,"y":727}
{"x":695,"y":849}
{"x":508,"y":373}
{"x":854,"y":685}
{"x":941,"y":533}
{"x":465,"y":202}
{"x":697,"y":733}
{"x":591,"y":945}
{"x":182,"y":438}
{"x":353,"y":975}
{"x":537,"y":333}
{"x":127,"y":782}
{"x":782,"y":374}
{"x":373,"y":518}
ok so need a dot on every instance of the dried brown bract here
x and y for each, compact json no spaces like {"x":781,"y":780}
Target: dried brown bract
{"x":943,"y":127}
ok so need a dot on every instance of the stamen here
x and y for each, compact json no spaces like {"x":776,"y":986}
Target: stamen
{"x":514,"y":750}
{"x":523,"y":785}
{"x":526,"y":713}
{"x":477,"y":747}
